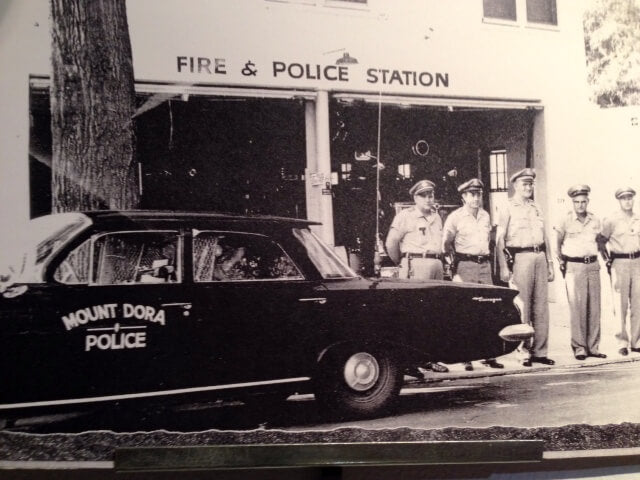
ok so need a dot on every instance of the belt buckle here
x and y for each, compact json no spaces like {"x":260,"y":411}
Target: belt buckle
{"x":479,"y":259}
{"x":536,"y":248}
{"x":633,"y":255}
{"x":587,"y":260}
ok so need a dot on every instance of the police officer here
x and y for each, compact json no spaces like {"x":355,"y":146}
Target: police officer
{"x":415,"y":240}
{"x":521,"y":245}
{"x":415,"y":237}
{"x":577,"y":233}
{"x":466,"y":238}
{"x":622,"y":231}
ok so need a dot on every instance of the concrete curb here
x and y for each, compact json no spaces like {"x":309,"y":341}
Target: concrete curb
{"x":441,"y":377}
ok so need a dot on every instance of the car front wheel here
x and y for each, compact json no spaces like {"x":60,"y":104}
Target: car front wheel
{"x":358,"y":381}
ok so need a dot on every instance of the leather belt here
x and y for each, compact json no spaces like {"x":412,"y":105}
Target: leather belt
{"x":629,"y":256}
{"x":437,"y":256}
{"x":587,"y":259}
{"x":465,"y":257}
{"x":535,"y":249}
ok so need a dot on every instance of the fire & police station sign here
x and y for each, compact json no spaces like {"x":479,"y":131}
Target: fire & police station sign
{"x":298,"y":71}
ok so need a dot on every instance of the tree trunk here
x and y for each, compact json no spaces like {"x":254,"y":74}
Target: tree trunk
{"x":92,"y":106}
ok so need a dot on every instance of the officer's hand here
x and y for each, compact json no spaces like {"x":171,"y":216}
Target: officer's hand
{"x":550,"y":272}
{"x":505,"y":275}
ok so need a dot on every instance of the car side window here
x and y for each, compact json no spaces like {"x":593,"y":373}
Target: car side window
{"x":136,"y":257}
{"x":230,"y":256}
{"x":74,"y":269}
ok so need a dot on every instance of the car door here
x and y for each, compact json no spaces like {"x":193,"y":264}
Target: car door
{"x":256,"y":306}
{"x":104,"y":324}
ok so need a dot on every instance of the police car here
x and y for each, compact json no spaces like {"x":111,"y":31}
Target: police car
{"x":112,"y":306}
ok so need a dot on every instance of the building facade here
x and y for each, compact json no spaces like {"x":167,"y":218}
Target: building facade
{"x":321,"y":109}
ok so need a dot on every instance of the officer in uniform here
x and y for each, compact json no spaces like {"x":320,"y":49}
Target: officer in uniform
{"x":577,"y":233}
{"x":466,"y":239}
{"x":622,"y":231}
{"x":415,"y":237}
{"x":521,"y":246}
{"x":415,"y":240}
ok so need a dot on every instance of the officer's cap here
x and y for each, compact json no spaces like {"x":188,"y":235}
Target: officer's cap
{"x":421,"y":187}
{"x":578,"y":190}
{"x":525,"y":173}
{"x":625,"y":191}
{"x":473,"y":185}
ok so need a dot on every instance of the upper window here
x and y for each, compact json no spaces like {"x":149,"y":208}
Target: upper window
{"x":231,"y":257}
{"x":542,"y":11}
{"x":512,"y":11}
{"x":136,"y":257}
{"x":503,"y":9}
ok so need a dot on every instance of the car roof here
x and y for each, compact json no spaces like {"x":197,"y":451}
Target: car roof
{"x":215,"y":217}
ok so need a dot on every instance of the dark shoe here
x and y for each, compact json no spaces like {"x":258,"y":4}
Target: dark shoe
{"x":468,"y":366}
{"x":637,"y":350}
{"x":437,"y":367}
{"x":493,"y":363}
{"x":414,"y":372}
{"x":543,"y":360}
{"x":623,"y":351}
{"x":526,"y":362}
{"x":581,"y":357}
{"x":597,"y":355}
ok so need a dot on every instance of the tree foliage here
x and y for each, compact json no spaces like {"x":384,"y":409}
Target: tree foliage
{"x":92,"y":106}
{"x":612,"y":43}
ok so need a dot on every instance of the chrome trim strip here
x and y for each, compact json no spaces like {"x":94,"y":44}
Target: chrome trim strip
{"x":71,"y":401}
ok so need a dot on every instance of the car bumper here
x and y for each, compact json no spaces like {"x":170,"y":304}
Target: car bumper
{"x":517,"y":332}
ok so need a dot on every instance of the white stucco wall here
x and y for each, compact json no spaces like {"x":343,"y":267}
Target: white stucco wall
{"x":482,"y":60}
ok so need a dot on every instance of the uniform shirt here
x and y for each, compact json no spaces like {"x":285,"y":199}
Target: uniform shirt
{"x":579,"y":238}
{"x":523,"y":223}
{"x":623,"y":232}
{"x":470,"y":234}
{"x":419,"y":234}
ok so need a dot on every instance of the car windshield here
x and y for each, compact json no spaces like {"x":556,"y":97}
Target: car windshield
{"x":27,"y":253}
{"x":326,"y":261}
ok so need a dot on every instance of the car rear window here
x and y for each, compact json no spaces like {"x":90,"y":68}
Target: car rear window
{"x":232,"y":256}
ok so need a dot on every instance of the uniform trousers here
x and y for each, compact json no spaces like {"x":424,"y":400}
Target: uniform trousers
{"x":473,"y":272}
{"x":530,"y":277}
{"x":421,"y":268}
{"x":625,"y":281}
{"x":583,"y":293}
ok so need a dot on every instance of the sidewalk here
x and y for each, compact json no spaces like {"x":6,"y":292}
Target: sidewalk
{"x":559,"y":349}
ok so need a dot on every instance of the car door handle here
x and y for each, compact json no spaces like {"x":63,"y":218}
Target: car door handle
{"x":319,"y":300}
{"x":185,"y":305}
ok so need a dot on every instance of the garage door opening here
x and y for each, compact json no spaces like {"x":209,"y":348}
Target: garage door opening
{"x":200,"y":152}
{"x":443,"y":144}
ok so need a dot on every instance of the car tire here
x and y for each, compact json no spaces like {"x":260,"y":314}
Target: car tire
{"x":358,"y":381}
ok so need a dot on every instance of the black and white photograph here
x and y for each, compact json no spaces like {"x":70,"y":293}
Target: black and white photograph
{"x":319,"y":222}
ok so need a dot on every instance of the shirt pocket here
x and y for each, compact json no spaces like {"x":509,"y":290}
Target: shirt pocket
{"x":520,"y":221}
{"x":573,"y":231}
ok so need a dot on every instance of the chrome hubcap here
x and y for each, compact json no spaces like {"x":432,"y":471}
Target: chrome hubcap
{"x":361,"y":371}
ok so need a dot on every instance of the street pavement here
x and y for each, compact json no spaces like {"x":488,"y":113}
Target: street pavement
{"x":559,"y":342}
